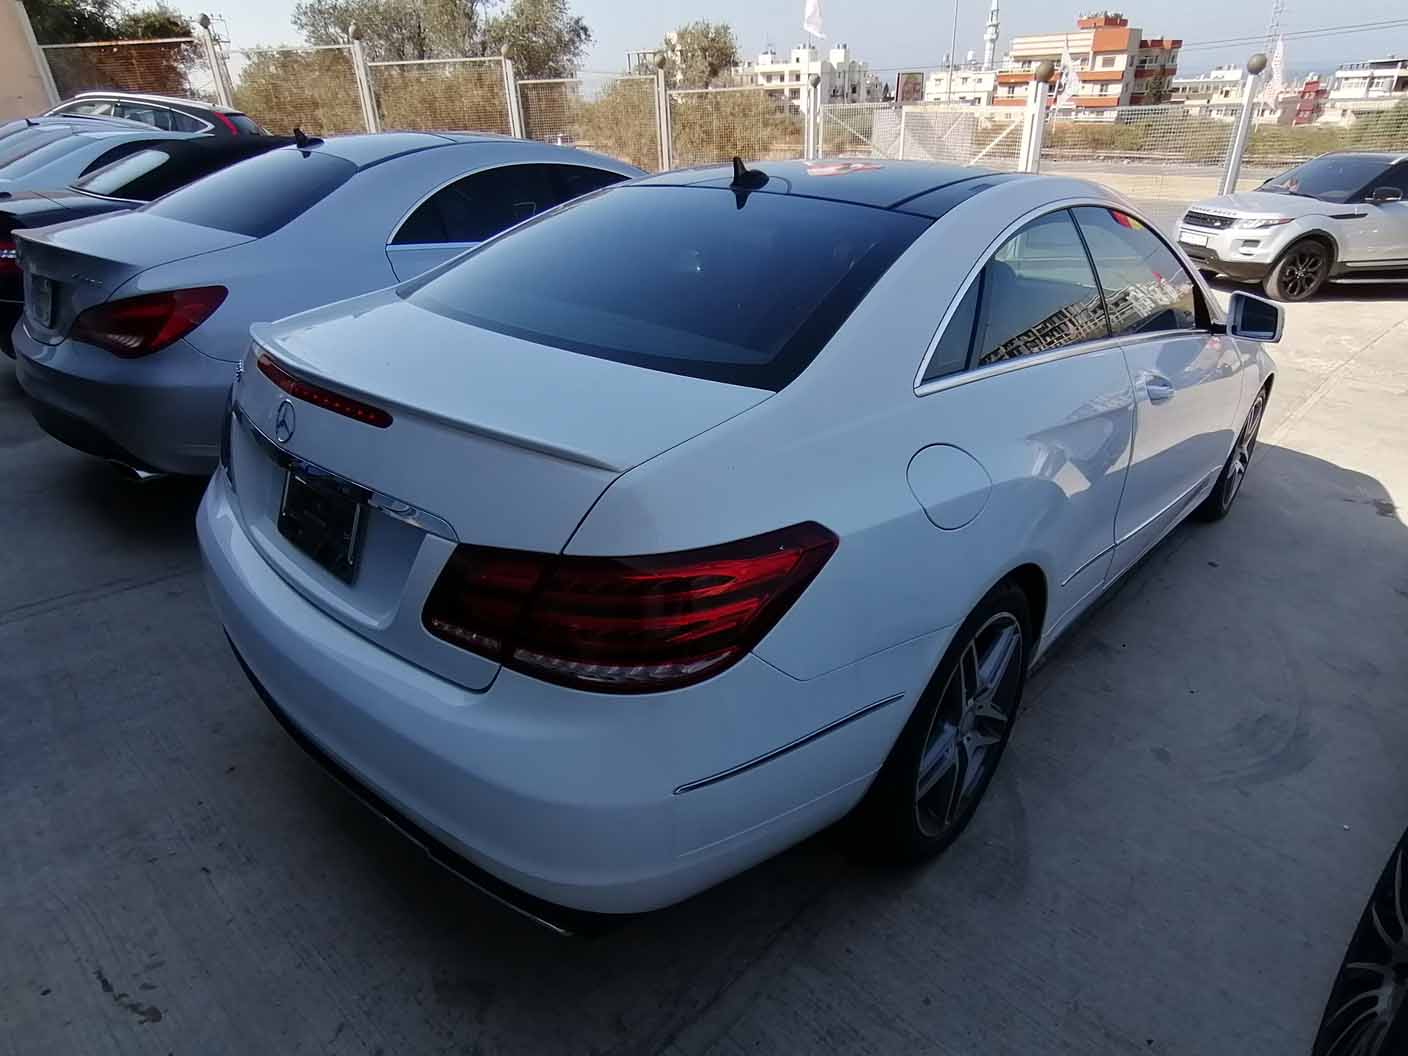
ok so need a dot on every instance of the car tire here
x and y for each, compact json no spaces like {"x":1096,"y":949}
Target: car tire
{"x":946,"y":755}
{"x":1224,"y":493}
{"x":1367,"y":1010}
{"x":1299,"y":272}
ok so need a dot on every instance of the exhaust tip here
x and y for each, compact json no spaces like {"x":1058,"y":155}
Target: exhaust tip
{"x":132,"y":473}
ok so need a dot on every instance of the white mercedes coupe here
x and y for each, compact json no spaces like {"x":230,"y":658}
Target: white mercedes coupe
{"x":714,"y":507}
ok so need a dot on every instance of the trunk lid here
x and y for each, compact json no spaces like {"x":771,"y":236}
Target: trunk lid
{"x":493,"y":440}
{"x":87,"y":260}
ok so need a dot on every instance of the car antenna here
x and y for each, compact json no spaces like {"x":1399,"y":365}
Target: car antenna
{"x":745,"y":180}
{"x":302,"y":140}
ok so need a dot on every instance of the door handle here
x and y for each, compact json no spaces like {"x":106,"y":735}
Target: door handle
{"x":1158,"y":388}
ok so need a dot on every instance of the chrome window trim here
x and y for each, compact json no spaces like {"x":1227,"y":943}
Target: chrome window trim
{"x":406,"y":246}
{"x":963,"y":377}
{"x":396,"y":228}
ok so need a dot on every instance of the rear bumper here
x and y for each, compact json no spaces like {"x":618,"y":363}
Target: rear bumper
{"x":605,"y":804}
{"x":160,"y":413}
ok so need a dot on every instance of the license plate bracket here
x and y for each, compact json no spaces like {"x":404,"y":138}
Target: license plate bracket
{"x":1190,"y":239}
{"x":40,"y":300}
{"x":324,"y":522}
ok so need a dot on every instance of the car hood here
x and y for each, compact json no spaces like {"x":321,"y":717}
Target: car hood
{"x":1270,"y":203}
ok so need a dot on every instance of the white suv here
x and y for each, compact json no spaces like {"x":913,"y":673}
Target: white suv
{"x":1340,"y":217}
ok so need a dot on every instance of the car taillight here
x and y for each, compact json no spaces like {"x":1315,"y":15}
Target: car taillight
{"x":321,"y":397}
{"x":9,"y":257}
{"x":139,"y":326}
{"x":624,"y":624}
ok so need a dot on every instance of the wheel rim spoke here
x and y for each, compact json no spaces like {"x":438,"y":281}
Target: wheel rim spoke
{"x":969,"y":723}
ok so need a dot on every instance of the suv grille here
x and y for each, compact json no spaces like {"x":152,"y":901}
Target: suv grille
{"x":1217,"y":223}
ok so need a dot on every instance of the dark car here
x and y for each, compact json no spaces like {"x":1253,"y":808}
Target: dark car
{"x":160,"y":111}
{"x":143,"y":175}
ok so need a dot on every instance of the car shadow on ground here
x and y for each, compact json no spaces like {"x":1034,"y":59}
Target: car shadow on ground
{"x":1331,"y":291}
{"x":1153,"y":720}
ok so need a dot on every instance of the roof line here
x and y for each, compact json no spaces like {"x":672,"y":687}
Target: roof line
{"x":944,"y":186}
{"x":639,"y":183}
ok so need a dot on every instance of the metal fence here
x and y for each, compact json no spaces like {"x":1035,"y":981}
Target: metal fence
{"x":716,"y":124}
{"x":170,"y":66}
{"x":1172,"y":151}
{"x":609,"y":114}
{"x":990,"y":136}
{"x":312,"y":88}
{"x":458,"y":95}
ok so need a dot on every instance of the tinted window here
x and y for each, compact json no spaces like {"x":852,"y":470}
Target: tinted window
{"x":1038,"y":294}
{"x":260,"y":196}
{"x":1395,"y":177}
{"x":26,"y":140}
{"x":485,"y":203}
{"x":93,"y":108}
{"x":186,"y":123}
{"x":112,"y":179}
{"x":117,"y":153}
{"x":1146,"y":288}
{"x":28,"y":158}
{"x":156,"y":116}
{"x":951,"y":353}
{"x":245,"y":125}
{"x":1333,"y":177}
{"x":691,"y":280}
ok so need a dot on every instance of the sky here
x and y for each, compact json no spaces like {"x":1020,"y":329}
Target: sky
{"x":914,"y":34}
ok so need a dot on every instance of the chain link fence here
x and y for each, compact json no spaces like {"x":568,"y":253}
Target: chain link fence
{"x":442,"y":95}
{"x":313,"y":88}
{"x":609,"y":114}
{"x":1277,"y":147}
{"x":715,"y":124}
{"x":172,"y":66}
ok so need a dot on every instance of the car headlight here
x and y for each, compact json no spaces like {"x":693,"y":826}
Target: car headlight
{"x":1251,"y":224}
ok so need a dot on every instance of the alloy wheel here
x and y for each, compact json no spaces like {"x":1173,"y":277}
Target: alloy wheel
{"x":1301,"y":274}
{"x":970,"y":724}
{"x":1372,"y":988}
{"x":1242,"y":454}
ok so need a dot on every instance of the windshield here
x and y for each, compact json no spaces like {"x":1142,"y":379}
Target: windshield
{"x":112,"y":180}
{"x":1332,"y":178}
{"x":744,"y":289}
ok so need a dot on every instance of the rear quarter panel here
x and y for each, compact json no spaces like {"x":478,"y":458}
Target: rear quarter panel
{"x":835,"y":445}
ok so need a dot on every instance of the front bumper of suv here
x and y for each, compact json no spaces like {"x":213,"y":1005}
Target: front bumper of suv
{"x":1242,"y":253}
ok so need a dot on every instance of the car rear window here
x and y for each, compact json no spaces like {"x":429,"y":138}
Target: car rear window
{"x":26,"y":142}
{"x":112,"y":180}
{"x":700,"y":281}
{"x":260,"y":196}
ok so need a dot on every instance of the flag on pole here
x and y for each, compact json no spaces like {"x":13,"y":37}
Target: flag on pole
{"x":811,"y":18}
{"x":1276,"y":74}
{"x":1066,"y":79}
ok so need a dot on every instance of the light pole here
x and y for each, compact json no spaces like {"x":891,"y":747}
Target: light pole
{"x":952,"y":44}
{"x":1255,"y":65}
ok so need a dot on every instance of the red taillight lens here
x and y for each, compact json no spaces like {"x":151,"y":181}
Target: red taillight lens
{"x":9,"y":257}
{"x":624,"y":624}
{"x":139,"y":326}
{"x":321,"y":397}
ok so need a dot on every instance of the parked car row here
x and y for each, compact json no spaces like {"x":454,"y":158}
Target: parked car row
{"x":611,"y":533}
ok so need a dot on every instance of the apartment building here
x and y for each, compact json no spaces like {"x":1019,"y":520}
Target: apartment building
{"x":844,"y":79}
{"x":1115,"y":65}
{"x":1361,"y":88}
{"x":967,"y":84}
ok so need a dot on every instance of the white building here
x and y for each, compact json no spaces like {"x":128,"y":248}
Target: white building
{"x":1216,"y":94}
{"x":967,"y":84}
{"x":843,"y":78}
{"x":1364,"y":87}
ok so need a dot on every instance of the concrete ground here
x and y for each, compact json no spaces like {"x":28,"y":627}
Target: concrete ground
{"x":1206,"y":780}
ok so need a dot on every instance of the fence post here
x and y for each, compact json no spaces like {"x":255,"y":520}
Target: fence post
{"x":662,"y":115}
{"x":362,"y":74}
{"x":41,"y":58}
{"x":1034,"y":125}
{"x":1255,"y":65}
{"x":903,"y":110}
{"x":515,"y":104}
{"x":221,"y":76}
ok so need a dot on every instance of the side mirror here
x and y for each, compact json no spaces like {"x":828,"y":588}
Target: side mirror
{"x":1254,"y":318}
{"x":1386,"y":194}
